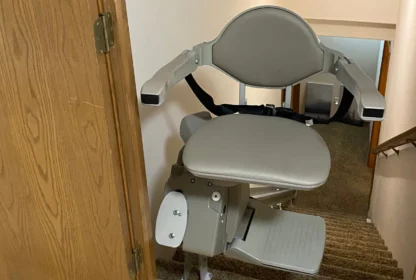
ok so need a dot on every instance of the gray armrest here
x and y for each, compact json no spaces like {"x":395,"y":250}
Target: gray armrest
{"x":154,"y":90}
{"x":369,"y":100}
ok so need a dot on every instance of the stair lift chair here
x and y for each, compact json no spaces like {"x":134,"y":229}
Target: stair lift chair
{"x":207,"y":206}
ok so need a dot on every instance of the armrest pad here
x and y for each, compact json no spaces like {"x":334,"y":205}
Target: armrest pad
{"x":154,"y":90}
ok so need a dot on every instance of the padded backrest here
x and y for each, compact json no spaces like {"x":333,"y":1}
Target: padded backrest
{"x":268,"y":47}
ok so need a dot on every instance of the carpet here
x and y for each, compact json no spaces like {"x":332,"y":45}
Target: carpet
{"x":354,"y":251}
{"x":348,"y":187}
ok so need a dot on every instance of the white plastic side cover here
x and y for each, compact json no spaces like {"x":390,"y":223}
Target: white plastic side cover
{"x":172,"y":219}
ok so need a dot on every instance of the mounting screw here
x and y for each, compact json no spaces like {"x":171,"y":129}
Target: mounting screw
{"x":336,"y":69}
{"x":216,"y":196}
{"x":197,"y":61}
{"x":171,"y":235}
{"x":209,"y":184}
{"x":177,"y":213}
{"x":192,"y":180}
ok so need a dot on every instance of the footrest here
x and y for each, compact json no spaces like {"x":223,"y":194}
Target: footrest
{"x":282,"y":240}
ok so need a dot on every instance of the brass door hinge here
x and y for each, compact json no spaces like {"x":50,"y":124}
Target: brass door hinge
{"x":103,"y":33}
{"x":137,"y":259}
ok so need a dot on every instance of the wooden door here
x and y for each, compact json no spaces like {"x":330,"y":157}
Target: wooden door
{"x":375,"y":132}
{"x":295,"y":98}
{"x":66,"y":193}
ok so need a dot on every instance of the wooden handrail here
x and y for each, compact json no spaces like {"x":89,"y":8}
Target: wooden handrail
{"x":406,"y":137}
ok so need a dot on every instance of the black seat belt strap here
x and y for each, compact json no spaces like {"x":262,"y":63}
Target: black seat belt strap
{"x":226,"y":109}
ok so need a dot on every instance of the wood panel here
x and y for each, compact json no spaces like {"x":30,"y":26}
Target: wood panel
{"x":295,"y":98}
{"x":371,"y":161}
{"x":62,"y":208}
{"x":283,"y":97}
{"x":120,"y":65}
{"x":407,"y":137}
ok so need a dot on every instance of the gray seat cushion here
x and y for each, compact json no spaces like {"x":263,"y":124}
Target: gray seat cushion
{"x":258,"y":149}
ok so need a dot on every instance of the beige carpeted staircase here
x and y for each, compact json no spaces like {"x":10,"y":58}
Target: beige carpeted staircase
{"x":354,"y":250}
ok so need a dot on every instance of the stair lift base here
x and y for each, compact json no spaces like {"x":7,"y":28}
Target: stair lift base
{"x":222,"y":219}
{"x":204,"y":274}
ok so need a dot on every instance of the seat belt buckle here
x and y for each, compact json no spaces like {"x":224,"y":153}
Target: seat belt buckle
{"x":309,"y":122}
{"x":272,"y":107}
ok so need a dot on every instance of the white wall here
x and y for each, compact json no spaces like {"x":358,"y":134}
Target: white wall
{"x":159,"y":31}
{"x":370,"y":19}
{"x":393,"y":206}
{"x":393,"y":200}
{"x":364,"y":52}
{"x":373,"y":11}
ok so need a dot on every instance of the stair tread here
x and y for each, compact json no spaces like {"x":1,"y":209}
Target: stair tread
{"x":334,"y":214}
{"x":352,"y":227}
{"x":362,"y":266}
{"x":365,"y":250}
{"x":340,"y":219}
{"x":354,"y":249}
{"x":345,"y":221}
{"x":357,"y":242}
{"x":354,"y":235}
{"x":359,"y":255}
{"x":369,"y":233}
